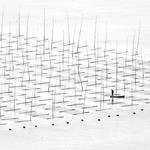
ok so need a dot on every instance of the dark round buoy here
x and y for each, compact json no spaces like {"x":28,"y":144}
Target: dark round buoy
{"x":24,"y":127}
{"x":10,"y":129}
{"x":52,"y":124}
{"x":98,"y":119}
{"x":142,"y":109}
{"x":109,"y":116}
{"x":67,"y":122}
{"x":117,"y":115}
{"x":134,"y":113}
{"x":82,"y":120}
{"x":35,"y":126}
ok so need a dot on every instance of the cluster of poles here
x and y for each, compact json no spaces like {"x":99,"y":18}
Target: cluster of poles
{"x":45,"y":78}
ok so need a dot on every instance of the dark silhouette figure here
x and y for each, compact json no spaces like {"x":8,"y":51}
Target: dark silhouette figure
{"x":112,"y":94}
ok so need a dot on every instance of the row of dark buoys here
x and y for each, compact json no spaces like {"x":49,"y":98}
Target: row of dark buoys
{"x":22,"y":127}
{"x":81,"y":120}
{"x":110,"y":116}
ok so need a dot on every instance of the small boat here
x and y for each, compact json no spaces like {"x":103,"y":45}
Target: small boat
{"x":117,"y":96}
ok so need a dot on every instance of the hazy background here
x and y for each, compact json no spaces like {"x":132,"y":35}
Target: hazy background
{"x":121,"y":16}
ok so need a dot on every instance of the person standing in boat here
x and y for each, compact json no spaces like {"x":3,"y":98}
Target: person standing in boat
{"x":112,"y":94}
